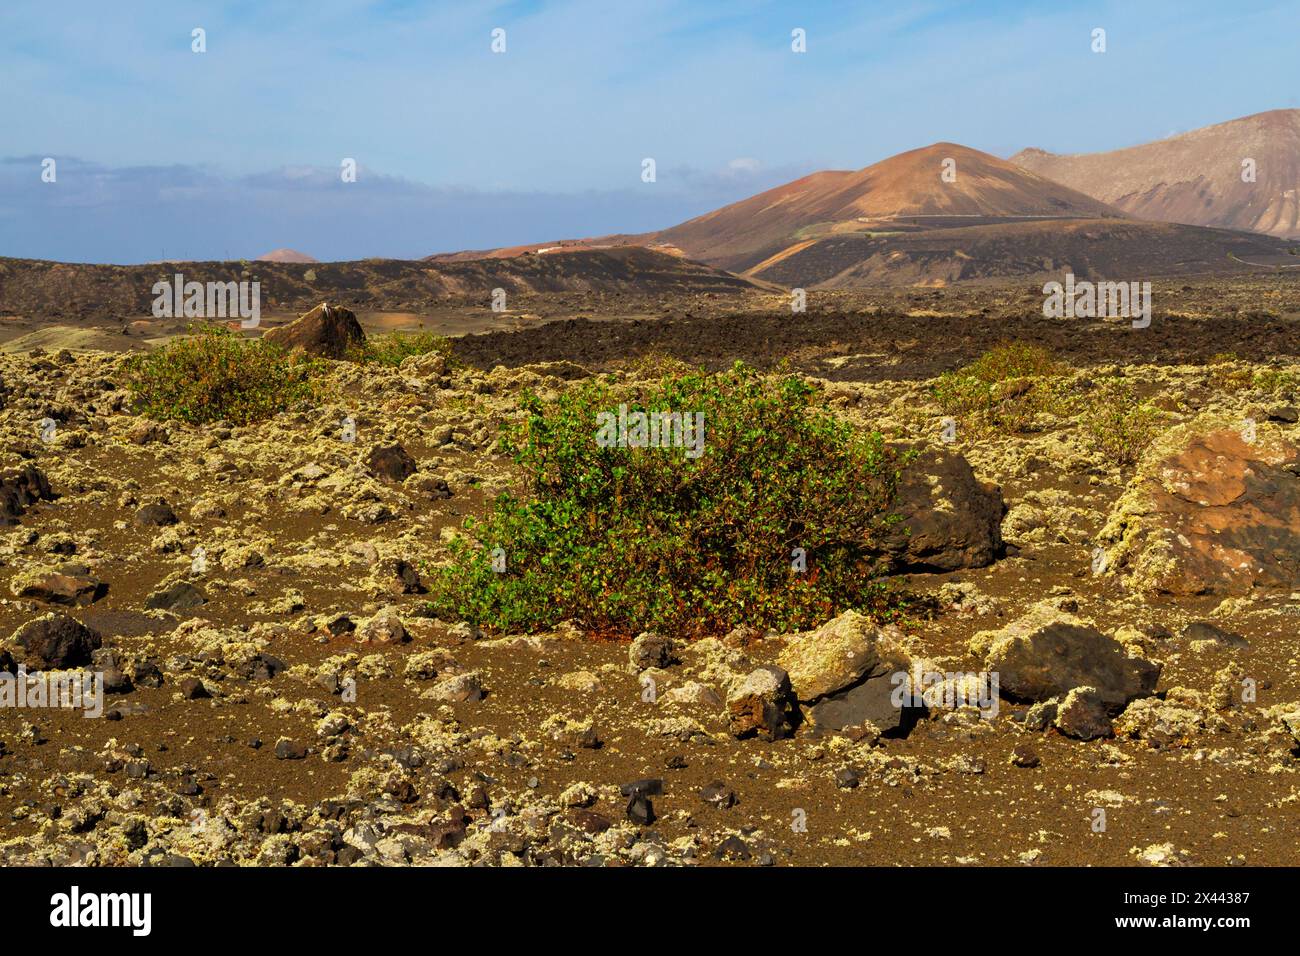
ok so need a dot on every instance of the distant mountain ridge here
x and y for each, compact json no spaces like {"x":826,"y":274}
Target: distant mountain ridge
{"x":38,"y":288}
{"x":1196,"y":177}
{"x":947,"y":213}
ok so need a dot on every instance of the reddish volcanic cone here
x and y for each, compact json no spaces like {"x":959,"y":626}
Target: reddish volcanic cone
{"x":286,"y":255}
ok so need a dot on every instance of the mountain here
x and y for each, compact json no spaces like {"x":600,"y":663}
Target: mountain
{"x":286,"y":255}
{"x":910,"y":184}
{"x":1195,"y":177}
{"x":902,"y":222}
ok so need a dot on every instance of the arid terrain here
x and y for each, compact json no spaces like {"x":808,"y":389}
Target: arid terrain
{"x":280,"y":693}
{"x":1235,"y":175}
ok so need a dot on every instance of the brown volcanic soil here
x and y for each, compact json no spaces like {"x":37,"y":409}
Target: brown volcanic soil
{"x":1196,"y":177}
{"x":297,"y":533}
{"x":1095,"y":249}
{"x":886,"y":334}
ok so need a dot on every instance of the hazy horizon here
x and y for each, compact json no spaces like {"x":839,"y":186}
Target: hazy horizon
{"x":162,"y":152}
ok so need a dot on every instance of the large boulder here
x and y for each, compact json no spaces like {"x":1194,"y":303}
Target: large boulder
{"x":1048,"y":653}
{"x":1213,"y":509}
{"x":70,"y":584}
{"x":327,"y":331}
{"x":52,"y":642}
{"x":843,"y":672}
{"x":949,"y":519}
{"x":20,"y":488}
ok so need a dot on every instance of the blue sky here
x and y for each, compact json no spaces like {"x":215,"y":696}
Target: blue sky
{"x":232,"y":152}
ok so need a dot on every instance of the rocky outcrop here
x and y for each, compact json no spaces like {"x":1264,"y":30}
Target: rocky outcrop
{"x":19,"y":489}
{"x":391,"y":463}
{"x":52,"y":641}
{"x":842,"y":672}
{"x":327,"y":331}
{"x":762,"y":704}
{"x":1083,"y":715}
{"x":650,"y":650}
{"x":70,"y":584}
{"x":949,"y":519}
{"x":1049,"y":652}
{"x":1213,"y":509}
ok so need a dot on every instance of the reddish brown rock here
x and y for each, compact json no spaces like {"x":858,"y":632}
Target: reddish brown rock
{"x":1047,"y":653}
{"x":1212,"y":510}
{"x":70,"y":585}
{"x":53,"y":641}
{"x":763,"y":705}
{"x":391,"y":463}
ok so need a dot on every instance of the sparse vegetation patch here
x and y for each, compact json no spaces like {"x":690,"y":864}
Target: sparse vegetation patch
{"x":1002,"y":390}
{"x":624,"y":539}
{"x":214,"y":374}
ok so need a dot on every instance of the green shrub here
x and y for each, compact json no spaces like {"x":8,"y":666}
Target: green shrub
{"x":621,"y":539}
{"x":213,"y":374}
{"x":391,"y":349}
{"x":1002,"y":390}
{"x":1227,"y":373}
{"x":1273,"y":380}
{"x":1116,"y":423}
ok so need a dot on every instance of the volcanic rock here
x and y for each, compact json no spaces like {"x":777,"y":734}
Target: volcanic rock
{"x":843,"y":670}
{"x":762,"y":704}
{"x":327,"y":331}
{"x":21,"y":488}
{"x":1082,"y":715}
{"x":52,"y":642}
{"x":649,"y":650}
{"x":870,"y":702}
{"x":286,"y":749}
{"x":1049,"y":652}
{"x":391,"y":463}
{"x":459,"y":688}
{"x":70,"y":585}
{"x":1209,"y":512}
{"x":384,"y":628}
{"x":155,"y":515}
{"x":1208,"y":631}
{"x":949,"y":518}
{"x":181,"y":596}
{"x":837,"y":655}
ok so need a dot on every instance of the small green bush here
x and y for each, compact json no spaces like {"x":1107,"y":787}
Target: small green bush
{"x":1116,"y":423}
{"x":1274,"y":380}
{"x":1228,"y":373}
{"x":1002,"y":390}
{"x":391,"y":349}
{"x":213,"y":374}
{"x":621,"y":540}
